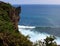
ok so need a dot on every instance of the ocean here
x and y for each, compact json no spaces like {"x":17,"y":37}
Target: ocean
{"x":40,"y":21}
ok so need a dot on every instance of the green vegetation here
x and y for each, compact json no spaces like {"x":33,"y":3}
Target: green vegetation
{"x":49,"y":41}
{"x":8,"y":35}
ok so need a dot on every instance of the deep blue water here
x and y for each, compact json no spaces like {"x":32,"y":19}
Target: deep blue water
{"x":40,"y":15}
{"x":45,"y":18}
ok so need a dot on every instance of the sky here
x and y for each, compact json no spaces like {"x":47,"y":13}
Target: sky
{"x":32,"y":1}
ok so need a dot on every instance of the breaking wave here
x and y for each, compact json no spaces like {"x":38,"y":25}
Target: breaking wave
{"x":36,"y":33}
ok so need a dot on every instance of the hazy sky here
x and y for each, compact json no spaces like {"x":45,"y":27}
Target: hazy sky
{"x":32,"y":1}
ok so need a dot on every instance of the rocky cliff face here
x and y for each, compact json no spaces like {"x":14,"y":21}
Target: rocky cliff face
{"x":12,"y":12}
{"x":9,"y":35}
{"x":14,"y":16}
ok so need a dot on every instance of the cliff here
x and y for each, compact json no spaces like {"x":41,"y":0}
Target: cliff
{"x":12,"y":12}
{"x":9,"y":34}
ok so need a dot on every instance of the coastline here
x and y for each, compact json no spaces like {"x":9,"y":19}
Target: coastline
{"x":34,"y":36}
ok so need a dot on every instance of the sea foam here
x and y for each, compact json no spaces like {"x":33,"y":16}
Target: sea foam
{"x":34,"y":36}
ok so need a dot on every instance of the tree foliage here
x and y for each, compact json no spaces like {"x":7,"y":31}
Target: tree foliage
{"x":49,"y":41}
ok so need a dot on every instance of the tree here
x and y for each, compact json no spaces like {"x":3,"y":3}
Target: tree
{"x":49,"y":41}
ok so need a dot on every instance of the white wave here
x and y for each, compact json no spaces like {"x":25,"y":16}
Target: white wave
{"x":23,"y":27}
{"x":34,"y":36}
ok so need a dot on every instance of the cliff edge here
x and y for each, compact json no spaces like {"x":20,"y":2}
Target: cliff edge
{"x":9,"y":35}
{"x":12,"y":12}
